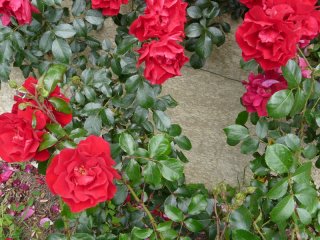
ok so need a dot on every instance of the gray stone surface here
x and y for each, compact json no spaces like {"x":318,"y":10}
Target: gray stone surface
{"x":207,"y":104}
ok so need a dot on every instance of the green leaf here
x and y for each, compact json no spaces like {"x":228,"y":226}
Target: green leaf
{"x":280,"y":104}
{"x":303,"y":173}
{"x":61,"y":50}
{"x":262,"y":128}
{"x":159,"y":145}
{"x":53,"y":76}
{"x":126,"y":44}
{"x":193,"y":225}
{"x":174,"y":213}
{"x":141,"y":233}
{"x":196,"y":61}
{"x":127,"y":143}
{"x":310,"y":151}
{"x":249,"y":66}
{"x":57,"y":130}
{"x":60,"y":105}
{"x":93,"y":124}
{"x":242,"y":118}
{"x":283,"y":210}
{"x":133,"y":170}
{"x":194,"y":30}
{"x":194,"y":12}
{"x":292,"y":73}
{"x":236,"y":133}
{"x":78,"y":133}
{"x":292,"y":141}
{"x":94,"y":17}
{"x":240,"y":219}
{"x":183,"y":142}
{"x":300,"y":99}
{"x":304,"y":215}
{"x":64,"y":31}
{"x":164,"y":226}
{"x":175,"y":130}
{"x":145,"y":96}
{"x":216,"y":35}
{"x":48,"y":140}
{"x":279,"y":158}
{"x":249,"y":145}
{"x":241,"y":234}
{"x":198,"y":204}
{"x":152,"y":174}
{"x":161,"y":120}
{"x":78,"y":7}
{"x":82,"y":236}
{"x":46,"y":41}
{"x":279,"y":189}
{"x":204,"y":46}
{"x":307,"y":196}
{"x":171,"y":169}
{"x":121,"y":195}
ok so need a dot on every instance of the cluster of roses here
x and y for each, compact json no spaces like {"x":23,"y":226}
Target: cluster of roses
{"x":271,"y":32}
{"x":162,"y":27}
{"x":82,"y":177}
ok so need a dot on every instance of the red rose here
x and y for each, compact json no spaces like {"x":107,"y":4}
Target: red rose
{"x":251,"y":3}
{"x":259,"y":90}
{"x":160,"y":18}
{"x":302,"y":16}
{"x":20,"y":9}
{"x":31,"y":110}
{"x":18,"y":140}
{"x":83,"y":177}
{"x":109,"y":7}
{"x":270,"y":41}
{"x":163,"y":59}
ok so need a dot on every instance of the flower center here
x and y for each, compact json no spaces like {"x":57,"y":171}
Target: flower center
{"x":82,"y":176}
{"x":80,"y":171}
{"x":268,"y":36}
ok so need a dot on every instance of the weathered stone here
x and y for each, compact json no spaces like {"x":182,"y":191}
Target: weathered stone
{"x":207,"y":104}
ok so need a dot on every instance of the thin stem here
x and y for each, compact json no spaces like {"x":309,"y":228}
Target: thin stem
{"x":304,"y":57}
{"x":153,"y":222}
{"x":217,"y":216}
{"x":256,"y":227}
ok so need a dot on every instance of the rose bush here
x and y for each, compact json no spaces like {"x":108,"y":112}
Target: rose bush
{"x":91,"y":112}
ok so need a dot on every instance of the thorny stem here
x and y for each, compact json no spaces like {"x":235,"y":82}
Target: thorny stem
{"x":153,"y":222}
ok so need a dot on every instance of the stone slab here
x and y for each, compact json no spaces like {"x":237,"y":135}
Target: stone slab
{"x":207,"y":104}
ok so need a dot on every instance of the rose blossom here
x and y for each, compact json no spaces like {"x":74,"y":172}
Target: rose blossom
{"x":83,"y":177}
{"x":163,"y":59}
{"x":31,"y":110}
{"x":301,"y":15}
{"x":20,"y":9}
{"x":270,"y":41}
{"x":259,"y":90}
{"x":160,"y":18}
{"x":18,"y":140}
{"x":109,"y":7}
